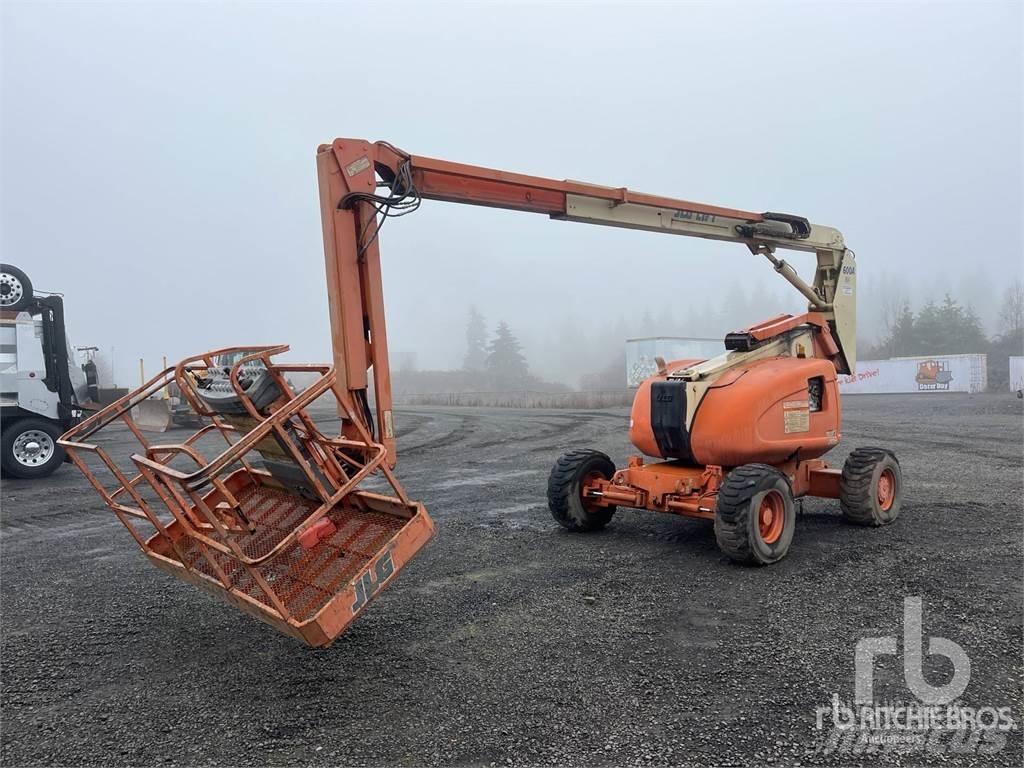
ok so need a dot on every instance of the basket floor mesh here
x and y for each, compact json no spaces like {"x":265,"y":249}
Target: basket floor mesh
{"x":304,"y":580}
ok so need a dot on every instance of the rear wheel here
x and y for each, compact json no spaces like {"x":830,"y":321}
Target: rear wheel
{"x":565,"y":490}
{"x":29,"y":448}
{"x":871,"y":488}
{"x":755,"y":515}
{"x":15,"y":288}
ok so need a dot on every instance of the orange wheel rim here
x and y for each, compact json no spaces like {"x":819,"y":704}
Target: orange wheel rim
{"x":589,"y":502}
{"x":886,"y":489}
{"x":771,"y":517}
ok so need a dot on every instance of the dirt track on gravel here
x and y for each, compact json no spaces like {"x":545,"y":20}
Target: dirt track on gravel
{"x":489,"y":649}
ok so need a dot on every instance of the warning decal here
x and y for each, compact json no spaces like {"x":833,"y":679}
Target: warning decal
{"x":796,"y":417}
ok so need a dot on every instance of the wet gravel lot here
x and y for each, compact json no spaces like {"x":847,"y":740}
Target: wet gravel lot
{"x":511,"y":641}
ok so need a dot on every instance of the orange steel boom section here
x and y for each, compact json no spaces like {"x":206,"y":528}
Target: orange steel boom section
{"x":460,"y":183}
{"x":347,"y":170}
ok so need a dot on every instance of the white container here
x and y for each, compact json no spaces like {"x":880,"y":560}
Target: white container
{"x":640,"y":353}
{"x":918,"y":375}
{"x":1016,"y":373}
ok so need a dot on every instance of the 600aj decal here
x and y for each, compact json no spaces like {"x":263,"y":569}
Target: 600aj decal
{"x":368,"y":583}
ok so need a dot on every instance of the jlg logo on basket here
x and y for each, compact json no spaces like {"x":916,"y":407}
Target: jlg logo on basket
{"x":370,"y":580}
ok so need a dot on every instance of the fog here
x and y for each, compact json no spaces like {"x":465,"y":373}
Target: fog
{"x":158,"y":162}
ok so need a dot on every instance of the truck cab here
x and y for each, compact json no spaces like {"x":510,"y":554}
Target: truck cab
{"x":40,"y":387}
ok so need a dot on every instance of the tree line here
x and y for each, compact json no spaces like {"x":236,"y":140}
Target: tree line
{"x":591,"y":356}
{"x":494,"y":364}
{"x":948,"y":328}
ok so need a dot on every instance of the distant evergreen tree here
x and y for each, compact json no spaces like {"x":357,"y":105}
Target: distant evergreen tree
{"x":947,"y":329}
{"x":476,"y":342}
{"x":970,"y":332}
{"x":927,"y":330}
{"x":938,"y":329}
{"x":903,"y":340}
{"x":505,"y":359}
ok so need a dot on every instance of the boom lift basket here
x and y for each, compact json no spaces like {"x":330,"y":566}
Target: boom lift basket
{"x":276,"y":524}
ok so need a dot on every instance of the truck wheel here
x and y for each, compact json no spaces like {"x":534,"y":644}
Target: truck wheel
{"x":755,"y":515}
{"x":871,"y":488}
{"x":565,"y":484}
{"x":15,"y":289}
{"x":29,"y":448}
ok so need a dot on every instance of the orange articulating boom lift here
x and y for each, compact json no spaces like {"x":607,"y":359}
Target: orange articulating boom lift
{"x":278,"y":522}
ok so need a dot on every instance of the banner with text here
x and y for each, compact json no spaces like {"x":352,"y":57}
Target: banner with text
{"x":942,"y":373}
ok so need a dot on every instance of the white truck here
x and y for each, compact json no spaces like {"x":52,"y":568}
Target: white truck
{"x":41,"y":387}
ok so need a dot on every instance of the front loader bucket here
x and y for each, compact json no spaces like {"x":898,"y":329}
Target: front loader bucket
{"x":152,"y":415}
{"x":276,"y":524}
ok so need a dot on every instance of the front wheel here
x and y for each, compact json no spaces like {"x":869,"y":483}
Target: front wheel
{"x":565,"y":490}
{"x":755,"y":515}
{"x":29,"y":448}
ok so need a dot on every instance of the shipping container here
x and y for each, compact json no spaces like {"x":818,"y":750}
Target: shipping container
{"x":640,"y":353}
{"x":939,"y":373}
{"x":1016,"y":373}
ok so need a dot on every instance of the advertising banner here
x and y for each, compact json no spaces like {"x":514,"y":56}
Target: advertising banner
{"x":941,"y":373}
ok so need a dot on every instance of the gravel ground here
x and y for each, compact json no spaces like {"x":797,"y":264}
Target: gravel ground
{"x":511,"y":641}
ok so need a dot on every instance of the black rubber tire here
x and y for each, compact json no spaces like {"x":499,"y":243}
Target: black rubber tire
{"x":858,"y":496}
{"x":737,"y":528}
{"x":26,"y":288}
{"x":9,"y":435}
{"x":564,"y":499}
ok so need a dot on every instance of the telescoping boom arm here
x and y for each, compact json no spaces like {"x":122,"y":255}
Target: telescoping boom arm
{"x":362,"y":184}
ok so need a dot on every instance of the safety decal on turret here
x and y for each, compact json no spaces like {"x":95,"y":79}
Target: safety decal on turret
{"x":796,"y":416}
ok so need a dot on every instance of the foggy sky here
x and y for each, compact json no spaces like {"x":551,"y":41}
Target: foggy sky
{"x":158,"y":160}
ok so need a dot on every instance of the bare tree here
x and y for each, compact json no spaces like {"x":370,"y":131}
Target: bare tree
{"x":407,"y":362}
{"x":1011,"y":312}
{"x":476,"y":341}
{"x":892,"y":304}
